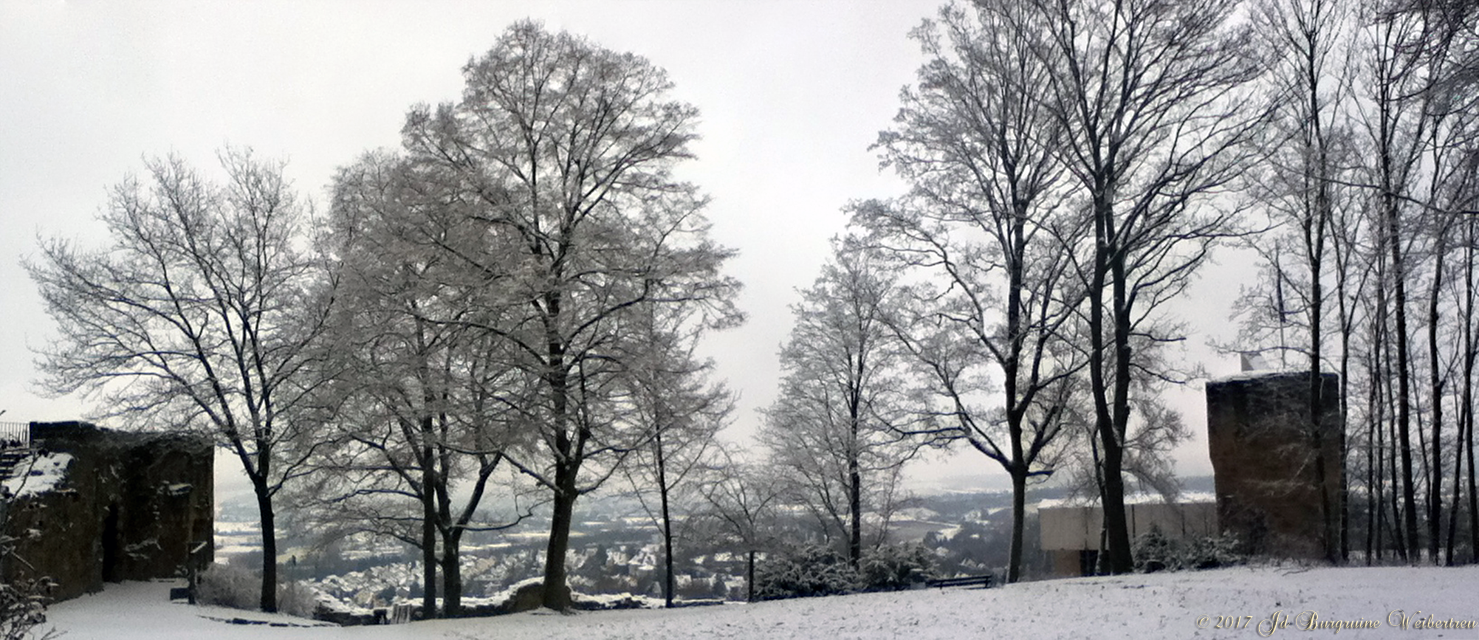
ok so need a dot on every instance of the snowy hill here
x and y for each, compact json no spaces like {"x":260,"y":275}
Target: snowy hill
{"x":1184,"y":605}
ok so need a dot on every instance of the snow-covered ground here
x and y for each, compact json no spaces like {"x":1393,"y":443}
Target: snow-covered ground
{"x":1248,"y":602}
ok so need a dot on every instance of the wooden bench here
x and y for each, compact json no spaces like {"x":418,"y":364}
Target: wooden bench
{"x":398,"y":613}
{"x":963,"y":581}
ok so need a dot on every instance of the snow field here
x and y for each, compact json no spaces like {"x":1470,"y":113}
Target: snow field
{"x":1251,"y":602}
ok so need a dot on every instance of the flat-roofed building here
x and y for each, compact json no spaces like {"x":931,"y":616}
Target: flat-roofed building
{"x":1072,"y":534}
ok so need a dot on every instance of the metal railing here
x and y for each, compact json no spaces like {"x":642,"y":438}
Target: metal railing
{"x":15,"y":435}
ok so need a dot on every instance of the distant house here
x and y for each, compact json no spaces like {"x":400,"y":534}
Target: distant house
{"x":1070,"y":533}
{"x":89,"y":505}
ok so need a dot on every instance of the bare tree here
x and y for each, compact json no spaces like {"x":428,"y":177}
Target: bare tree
{"x":201,"y":315}
{"x":1451,"y":157}
{"x":988,"y":228}
{"x":743,"y":504}
{"x":424,"y":405}
{"x":562,"y":152}
{"x":683,"y":411}
{"x":1397,"y":191}
{"x":1414,"y":97}
{"x":1394,"y":130}
{"x":1298,"y":188}
{"x":1156,"y":122}
{"x":834,"y":430}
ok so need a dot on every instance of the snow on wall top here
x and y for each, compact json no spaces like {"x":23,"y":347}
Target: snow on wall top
{"x":1136,"y":498}
{"x":38,"y":474}
{"x":1244,"y":376}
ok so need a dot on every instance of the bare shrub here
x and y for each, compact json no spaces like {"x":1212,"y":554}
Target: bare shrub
{"x":23,"y":608}
{"x":238,"y":588}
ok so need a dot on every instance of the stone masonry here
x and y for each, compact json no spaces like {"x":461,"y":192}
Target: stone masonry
{"x":130,"y":506}
{"x":1272,"y":461}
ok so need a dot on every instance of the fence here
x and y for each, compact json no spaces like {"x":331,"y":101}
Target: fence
{"x":15,"y":435}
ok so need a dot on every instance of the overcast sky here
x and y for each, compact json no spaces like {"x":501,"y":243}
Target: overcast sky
{"x":791,"y":94}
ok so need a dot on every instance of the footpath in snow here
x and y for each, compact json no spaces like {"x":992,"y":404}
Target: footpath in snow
{"x":1269,"y":602}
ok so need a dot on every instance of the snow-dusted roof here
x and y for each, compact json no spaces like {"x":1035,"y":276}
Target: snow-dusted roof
{"x":1244,"y":376}
{"x":1189,"y":497}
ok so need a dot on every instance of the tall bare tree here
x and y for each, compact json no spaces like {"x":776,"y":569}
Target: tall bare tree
{"x":988,"y":227}
{"x":683,"y":411}
{"x":424,"y":405}
{"x":1417,"y":93}
{"x":201,"y":315}
{"x":1152,"y":102}
{"x":1299,"y":188}
{"x":1393,"y":132}
{"x":562,"y":151}
{"x":834,"y":431}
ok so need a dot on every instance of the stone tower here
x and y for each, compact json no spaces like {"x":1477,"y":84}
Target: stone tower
{"x":1278,"y":471}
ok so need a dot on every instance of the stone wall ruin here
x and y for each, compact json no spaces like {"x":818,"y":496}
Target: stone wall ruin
{"x":127,"y":506}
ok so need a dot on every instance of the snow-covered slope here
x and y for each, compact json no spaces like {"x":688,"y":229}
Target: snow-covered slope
{"x":1182,"y":605}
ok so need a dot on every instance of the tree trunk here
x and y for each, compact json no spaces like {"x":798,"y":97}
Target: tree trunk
{"x":750,"y":577}
{"x":1393,"y":238}
{"x":1373,"y":469}
{"x":1116,"y":526}
{"x":1314,"y":241}
{"x":1317,"y":430}
{"x":1467,"y":410}
{"x":428,"y":538}
{"x":427,"y":461}
{"x":1435,"y":484}
{"x":1404,"y":417}
{"x":556,"y":595}
{"x":1316,"y":387}
{"x":1327,"y":536}
{"x":1473,"y":489}
{"x":1122,"y":559}
{"x":1335,"y":545}
{"x":451,"y":531}
{"x":269,"y":543}
{"x":1399,"y":539}
{"x":1019,"y":514}
{"x":1453,"y":510}
{"x":1345,"y":449}
{"x":1107,"y":424}
{"x":854,"y":502}
{"x":451,"y":579}
{"x":567,"y":464}
{"x":667,"y":524}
